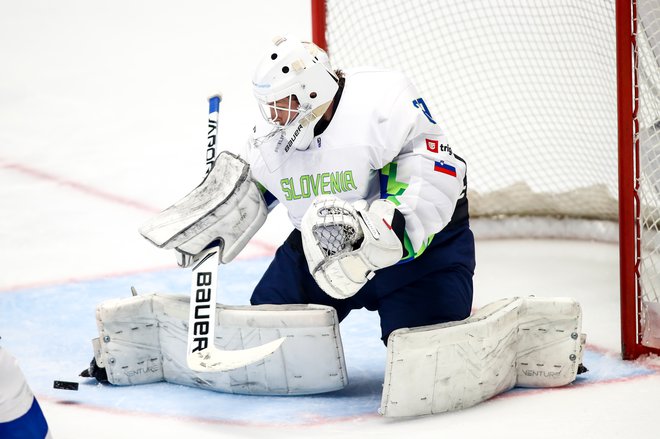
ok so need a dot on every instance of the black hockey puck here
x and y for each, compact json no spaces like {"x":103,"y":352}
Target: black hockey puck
{"x":65,"y":385}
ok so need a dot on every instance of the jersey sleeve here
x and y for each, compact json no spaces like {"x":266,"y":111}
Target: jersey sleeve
{"x":424,"y":178}
{"x":269,"y":198}
{"x":248,"y":153}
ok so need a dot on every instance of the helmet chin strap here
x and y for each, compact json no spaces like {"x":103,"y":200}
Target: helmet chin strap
{"x":307,"y":124}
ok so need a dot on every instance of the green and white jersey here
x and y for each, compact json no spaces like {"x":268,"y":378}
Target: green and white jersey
{"x":382,"y":142}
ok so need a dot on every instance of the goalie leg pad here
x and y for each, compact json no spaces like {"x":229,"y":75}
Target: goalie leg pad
{"x":531,"y":342}
{"x":226,"y":206}
{"x":142,"y":339}
{"x":550,"y":343}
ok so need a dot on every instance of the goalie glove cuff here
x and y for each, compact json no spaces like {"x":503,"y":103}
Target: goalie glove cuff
{"x":399,"y":225}
{"x":382,"y":245}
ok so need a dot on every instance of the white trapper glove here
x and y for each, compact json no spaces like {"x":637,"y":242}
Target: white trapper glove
{"x":346,"y":243}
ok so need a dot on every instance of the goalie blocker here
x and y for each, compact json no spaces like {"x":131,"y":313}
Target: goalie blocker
{"x":227,"y":207}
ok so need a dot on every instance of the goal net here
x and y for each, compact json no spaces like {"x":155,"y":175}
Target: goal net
{"x":527,"y":91}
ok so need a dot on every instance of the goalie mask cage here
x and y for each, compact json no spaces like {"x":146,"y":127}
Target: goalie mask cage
{"x":554,"y":104}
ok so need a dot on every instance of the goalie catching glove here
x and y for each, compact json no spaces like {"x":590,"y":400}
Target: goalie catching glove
{"x":345,"y":243}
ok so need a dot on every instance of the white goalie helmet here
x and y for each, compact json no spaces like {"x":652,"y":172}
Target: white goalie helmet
{"x":294,"y":85}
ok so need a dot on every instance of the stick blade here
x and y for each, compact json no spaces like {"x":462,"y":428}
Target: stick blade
{"x":213,"y":359}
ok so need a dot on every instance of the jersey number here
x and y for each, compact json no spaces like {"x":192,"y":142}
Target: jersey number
{"x":419,"y":103}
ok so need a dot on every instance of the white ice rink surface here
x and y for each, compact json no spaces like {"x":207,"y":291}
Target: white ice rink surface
{"x":103,"y":123}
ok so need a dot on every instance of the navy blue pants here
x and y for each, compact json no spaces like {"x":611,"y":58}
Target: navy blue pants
{"x":436,"y":287}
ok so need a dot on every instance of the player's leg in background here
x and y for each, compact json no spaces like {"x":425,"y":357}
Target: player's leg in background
{"x":20,"y":414}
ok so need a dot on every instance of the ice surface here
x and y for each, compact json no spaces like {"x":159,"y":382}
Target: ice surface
{"x":103,"y":123}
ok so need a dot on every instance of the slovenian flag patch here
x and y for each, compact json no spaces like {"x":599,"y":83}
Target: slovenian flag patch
{"x":445,"y":168}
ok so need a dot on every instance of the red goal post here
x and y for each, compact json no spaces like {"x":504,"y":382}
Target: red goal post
{"x":556,"y":106}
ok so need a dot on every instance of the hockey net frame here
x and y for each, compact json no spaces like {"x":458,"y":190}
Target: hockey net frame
{"x":627,"y":208}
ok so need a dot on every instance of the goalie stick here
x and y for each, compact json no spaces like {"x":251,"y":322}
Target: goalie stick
{"x":201,"y":354}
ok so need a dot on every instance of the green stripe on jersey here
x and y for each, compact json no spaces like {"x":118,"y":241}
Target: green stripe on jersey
{"x":393,"y":189}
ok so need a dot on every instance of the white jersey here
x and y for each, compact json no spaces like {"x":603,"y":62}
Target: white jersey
{"x":382,"y":142}
{"x":20,"y":414}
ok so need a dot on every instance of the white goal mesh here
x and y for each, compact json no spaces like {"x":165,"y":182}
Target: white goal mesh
{"x":527,"y":91}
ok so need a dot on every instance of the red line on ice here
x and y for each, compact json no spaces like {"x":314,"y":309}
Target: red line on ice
{"x":80,"y":187}
{"x":266,"y":248}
